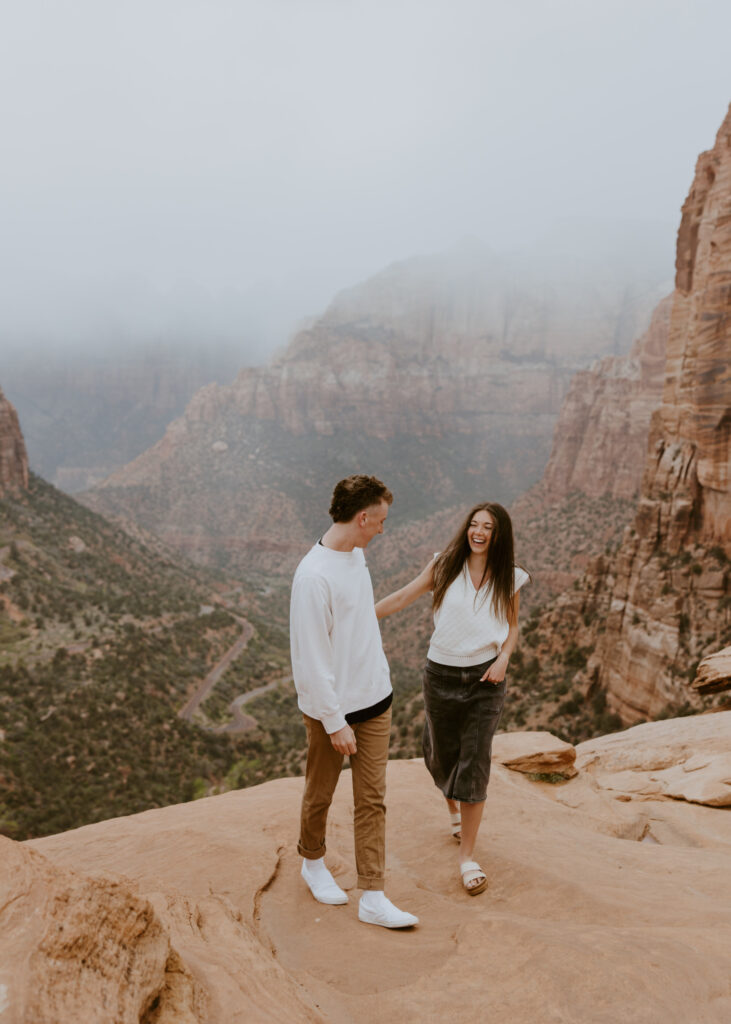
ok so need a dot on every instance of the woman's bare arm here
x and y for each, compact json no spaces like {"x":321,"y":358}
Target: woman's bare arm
{"x":496,"y":671}
{"x":402,"y":598}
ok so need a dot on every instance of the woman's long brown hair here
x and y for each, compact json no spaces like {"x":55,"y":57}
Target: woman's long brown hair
{"x":498,"y":567}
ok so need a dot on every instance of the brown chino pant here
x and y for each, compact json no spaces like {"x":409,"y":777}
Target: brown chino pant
{"x":368,"y":769}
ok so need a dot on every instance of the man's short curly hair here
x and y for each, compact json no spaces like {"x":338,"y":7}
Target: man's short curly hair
{"x":355,"y":493}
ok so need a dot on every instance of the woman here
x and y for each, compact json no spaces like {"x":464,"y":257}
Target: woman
{"x":474,"y":585}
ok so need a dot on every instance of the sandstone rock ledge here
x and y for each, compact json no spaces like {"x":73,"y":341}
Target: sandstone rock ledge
{"x":714,"y":673}
{"x":200,"y":907}
{"x":539,"y":753}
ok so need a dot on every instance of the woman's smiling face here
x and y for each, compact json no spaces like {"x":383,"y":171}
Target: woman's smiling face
{"x":480,"y":531}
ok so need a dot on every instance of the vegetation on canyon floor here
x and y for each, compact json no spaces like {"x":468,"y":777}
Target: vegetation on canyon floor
{"x":101,"y":642}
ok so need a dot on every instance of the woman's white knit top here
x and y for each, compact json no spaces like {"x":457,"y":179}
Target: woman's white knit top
{"x":466,"y":629}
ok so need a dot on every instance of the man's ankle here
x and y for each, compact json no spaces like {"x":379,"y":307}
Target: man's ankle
{"x":373,"y":897}
{"x":313,"y":862}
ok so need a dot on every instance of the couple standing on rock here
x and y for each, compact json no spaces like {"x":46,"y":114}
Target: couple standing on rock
{"x":344,"y":690}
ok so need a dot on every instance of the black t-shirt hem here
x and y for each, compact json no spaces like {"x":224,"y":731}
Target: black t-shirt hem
{"x":365,"y":714}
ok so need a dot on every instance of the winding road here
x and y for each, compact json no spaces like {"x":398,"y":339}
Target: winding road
{"x":240,"y":722}
{"x":194,"y":702}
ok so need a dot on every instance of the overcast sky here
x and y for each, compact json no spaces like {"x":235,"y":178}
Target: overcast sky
{"x":225,"y":166}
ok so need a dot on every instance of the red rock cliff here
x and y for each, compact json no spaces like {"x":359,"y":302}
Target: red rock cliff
{"x":600,"y":440}
{"x":669,"y":603}
{"x":13,"y":457}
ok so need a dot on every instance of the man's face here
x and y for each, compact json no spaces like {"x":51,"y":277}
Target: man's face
{"x":372,"y":520}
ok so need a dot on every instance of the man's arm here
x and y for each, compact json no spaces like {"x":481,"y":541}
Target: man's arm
{"x":312,"y":663}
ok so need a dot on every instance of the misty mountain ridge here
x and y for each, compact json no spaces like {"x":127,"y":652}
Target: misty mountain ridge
{"x":90,"y":405}
{"x":440,"y":374}
{"x":85,"y":414}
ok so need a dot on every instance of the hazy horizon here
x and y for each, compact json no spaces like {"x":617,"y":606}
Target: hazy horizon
{"x":182,"y":169}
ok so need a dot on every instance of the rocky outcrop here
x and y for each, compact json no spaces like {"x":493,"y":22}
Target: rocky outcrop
{"x":660,"y":759}
{"x":440,"y":375}
{"x":77,"y":948}
{"x":600,"y":440}
{"x":13,"y":457}
{"x":714,"y":673}
{"x":572,"y":890}
{"x":535,"y":753}
{"x":669,"y":600}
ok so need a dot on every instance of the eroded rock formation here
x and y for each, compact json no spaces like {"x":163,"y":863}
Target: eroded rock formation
{"x":647,"y":612}
{"x":600,"y":440}
{"x":714,"y":673}
{"x":669,"y":603}
{"x":77,"y":948}
{"x":535,"y":753}
{"x":13,"y":457}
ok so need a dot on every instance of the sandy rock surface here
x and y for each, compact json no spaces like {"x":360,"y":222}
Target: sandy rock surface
{"x":659,"y":759}
{"x":581,"y":922}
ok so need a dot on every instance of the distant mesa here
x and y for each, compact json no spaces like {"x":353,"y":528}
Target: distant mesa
{"x":442,"y":374}
{"x":84,"y":416}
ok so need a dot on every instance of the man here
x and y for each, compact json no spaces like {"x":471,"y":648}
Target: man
{"x":344,"y":692}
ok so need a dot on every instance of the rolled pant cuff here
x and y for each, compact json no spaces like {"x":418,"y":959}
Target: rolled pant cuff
{"x":364,"y":882}
{"x":310,"y":854}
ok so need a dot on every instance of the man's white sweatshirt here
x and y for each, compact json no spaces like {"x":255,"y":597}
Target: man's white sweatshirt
{"x":337,"y":655}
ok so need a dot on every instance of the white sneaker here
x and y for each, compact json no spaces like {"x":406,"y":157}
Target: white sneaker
{"x":321,"y":883}
{"x":381,"y":911}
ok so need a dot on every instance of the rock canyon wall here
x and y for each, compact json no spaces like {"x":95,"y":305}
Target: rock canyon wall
{"x":655,"y":422}
{"x":662,"y":601}
{"x":600,"y":440}
{"x":669,"y":602}
{"x":13,"y":456}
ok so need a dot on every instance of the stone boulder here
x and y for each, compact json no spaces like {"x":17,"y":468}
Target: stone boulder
{"x":657,"y":760}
